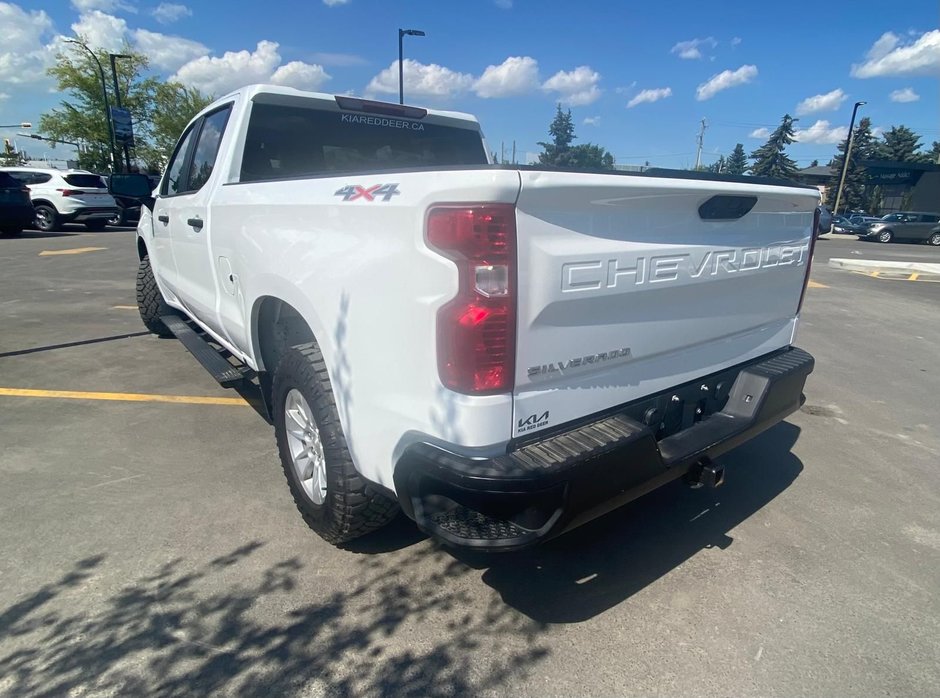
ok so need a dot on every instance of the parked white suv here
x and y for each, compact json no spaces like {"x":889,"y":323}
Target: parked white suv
{"x":66,"y":196}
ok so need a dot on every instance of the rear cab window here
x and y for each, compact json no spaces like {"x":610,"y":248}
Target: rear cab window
{"x":8,"y":181}
{"x":295,"y":141}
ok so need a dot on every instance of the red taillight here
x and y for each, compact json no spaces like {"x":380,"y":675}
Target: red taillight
{"x":809,"y":258}
{"x":476,"y":331}
{"x":70,"y":192}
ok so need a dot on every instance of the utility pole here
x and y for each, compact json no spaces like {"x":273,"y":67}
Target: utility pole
{"x":848,"y":154}
{"x":514,"y":152}
{"x":701,"y":142}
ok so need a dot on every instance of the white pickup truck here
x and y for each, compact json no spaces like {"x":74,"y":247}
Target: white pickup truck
{"x":502,"y":352}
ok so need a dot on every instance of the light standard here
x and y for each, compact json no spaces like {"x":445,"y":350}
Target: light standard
{"x":22,"y":124}
{"x":104,"y":94}
{"x":117,"y":99}
{"x":401,"y":68}
{"x":848,"y":154}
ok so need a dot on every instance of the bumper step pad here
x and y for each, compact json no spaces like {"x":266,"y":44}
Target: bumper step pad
{"x":465,"y":524}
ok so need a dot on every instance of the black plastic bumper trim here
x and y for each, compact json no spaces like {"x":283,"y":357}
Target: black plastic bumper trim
{"x":545,"y":487}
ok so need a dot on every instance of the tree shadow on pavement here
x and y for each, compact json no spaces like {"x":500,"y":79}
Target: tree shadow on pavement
{"x":599,"y":565}
{"x":408,"y":626}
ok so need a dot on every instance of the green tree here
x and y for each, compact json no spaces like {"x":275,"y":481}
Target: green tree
{"x":719,"y":166}
{"x":560,"y":153}
{"x":933,"y":155}
{"x":737,"y":161}
{"x":854,"y":194}
{"x":174,"y":106}
{"x":814,"y":163}
{"x":770,"y":160}
{"x":900,"y":144}
{"x":159,"y":110}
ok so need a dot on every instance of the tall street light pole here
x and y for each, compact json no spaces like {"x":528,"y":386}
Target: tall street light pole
{"x":104,"y":94}
{"x":22,"y":124}
{"x":117,"y":100}
{"x":848,"y":154}
{"x":401,"y":67}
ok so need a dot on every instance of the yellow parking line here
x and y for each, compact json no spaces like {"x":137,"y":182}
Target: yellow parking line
{"x":816,"y":284}
{"x":74,"y":250}
{"x":124,"y":307}
{"x":123,"y":397}
{"x":913,"y":277}
{"x":875,"y":274}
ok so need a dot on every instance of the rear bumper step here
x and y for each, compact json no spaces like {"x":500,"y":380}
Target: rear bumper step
{"x":548,"y":486}
{"x":227,"y":375}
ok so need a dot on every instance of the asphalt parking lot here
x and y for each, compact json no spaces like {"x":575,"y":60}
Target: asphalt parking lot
{"x":150,"y":545}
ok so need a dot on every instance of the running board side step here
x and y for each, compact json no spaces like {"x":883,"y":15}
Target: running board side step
{"x":227,"y":375}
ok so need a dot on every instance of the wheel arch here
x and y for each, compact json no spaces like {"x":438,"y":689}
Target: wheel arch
{"x":276,"y":325}
{"x":141,"y":248}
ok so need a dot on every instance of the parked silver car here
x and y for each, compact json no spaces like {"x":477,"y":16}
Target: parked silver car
{"x":905,"y":225}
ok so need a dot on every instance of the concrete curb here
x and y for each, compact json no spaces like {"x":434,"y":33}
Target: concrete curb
{"x":882,"y":266}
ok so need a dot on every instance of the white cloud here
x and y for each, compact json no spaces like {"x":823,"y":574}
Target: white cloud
{"x":334,"y":3}
{"x":83,"y":6}
{"x":592,"y":120}
{"x":575,"y":87}
{"x":889,"y":56}
{"x":503,"y":4}
{"x":724,"y":80}
{"x":218,"y":75}
{"x":167,"y":53}
{"x":169,"y":12}
{"x":905,"y":95}
{"x":690,"y":49}
{"x":821,"y":132}
{"x":516,"y":75}
{"x":824,"y":102}
{"x":4,"y":96}
{"x":759,"y":133}
{"x":101,"y":30}
{"x":303,"y":76}
{"x":736,"y":41}
{"x":653,"y":95}
{"x":24,"y":55}
{"x":421,"y":80}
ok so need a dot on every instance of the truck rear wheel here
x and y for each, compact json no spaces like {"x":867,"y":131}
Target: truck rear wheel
{"x":150,"y":302}
{"x":332,"y":497}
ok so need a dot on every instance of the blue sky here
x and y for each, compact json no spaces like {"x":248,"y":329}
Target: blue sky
{"x":638,"y":76}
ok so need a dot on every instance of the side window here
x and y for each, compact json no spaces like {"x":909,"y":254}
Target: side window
{"x":929,"y":218}
{"x":207,"y":148}
{"x":40,"y":178}
{"x":173,"y":182}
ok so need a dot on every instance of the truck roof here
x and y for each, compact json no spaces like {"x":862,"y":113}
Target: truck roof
{"x":253,"y":90}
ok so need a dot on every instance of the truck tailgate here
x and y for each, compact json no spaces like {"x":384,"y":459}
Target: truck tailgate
{"x":629,"y":286}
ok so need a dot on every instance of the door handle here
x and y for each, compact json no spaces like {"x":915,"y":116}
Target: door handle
{"x":163,"y":218}
{"x":196,"y":223}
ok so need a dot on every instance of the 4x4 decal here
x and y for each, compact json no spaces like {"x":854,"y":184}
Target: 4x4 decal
{"x":352,"y":192}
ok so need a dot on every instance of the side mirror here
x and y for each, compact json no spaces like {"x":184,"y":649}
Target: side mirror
{"x":825,"y":220}
{"x":132,"y":186}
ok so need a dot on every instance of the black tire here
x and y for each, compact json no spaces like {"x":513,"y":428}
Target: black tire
{"x":934,"y":239}
{"x":11,"y":232}
{"x":47,"y":218}
{"x":885,"y":236}
{"x":351,"y":507}
{"x":150,"y":302}
{"x":96,"y":226}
